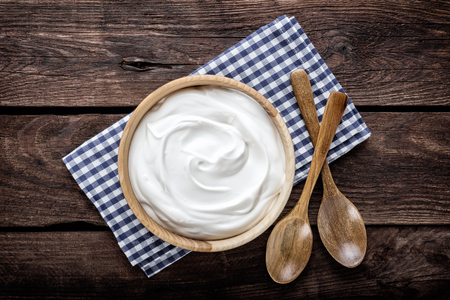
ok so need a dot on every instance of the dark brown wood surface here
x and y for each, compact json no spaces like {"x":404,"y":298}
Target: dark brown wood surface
{"x":402,"y":262}
{"x":70,"y":69}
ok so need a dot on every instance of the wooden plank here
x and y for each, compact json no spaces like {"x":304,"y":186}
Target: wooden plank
{"x":34,"y":184}
{"x":46,"y":53}
{"x":401,"y":262}
{"x":122,"y":88}
{"x":103,"y":78}
{"x":400,"y":175}
{"x":58,"y":54}
{"x":116,"y":88}
{"x":210,"y":19}
{"x":404,"y":165}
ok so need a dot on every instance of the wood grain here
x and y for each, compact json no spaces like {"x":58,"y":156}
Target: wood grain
{"x":406,"y":262}
{"x":195,"y":18}
{"x":399,"y":175}
{"x":34,"y":183}
{"x":101,"y":53}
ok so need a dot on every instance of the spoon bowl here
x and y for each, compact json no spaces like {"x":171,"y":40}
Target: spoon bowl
{"x":294,"y":236}
{"x":342,"y":231}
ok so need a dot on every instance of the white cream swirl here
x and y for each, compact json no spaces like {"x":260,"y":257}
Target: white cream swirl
{"x":207,"y":162}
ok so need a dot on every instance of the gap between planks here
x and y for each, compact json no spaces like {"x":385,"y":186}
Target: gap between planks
{"x":115,"y":110}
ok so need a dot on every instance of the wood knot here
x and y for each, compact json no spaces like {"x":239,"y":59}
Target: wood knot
{"x":343,"y":49}
{"x":138,"y":64}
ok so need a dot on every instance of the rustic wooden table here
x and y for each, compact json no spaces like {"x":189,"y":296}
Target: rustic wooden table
{"x":70,"y":69}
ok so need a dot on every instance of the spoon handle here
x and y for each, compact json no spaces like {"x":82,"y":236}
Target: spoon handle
{"x":305,"y":100}
{"x":334,"y":110}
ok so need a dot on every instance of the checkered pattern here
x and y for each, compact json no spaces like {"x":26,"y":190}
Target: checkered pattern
{"x":264,"y":61}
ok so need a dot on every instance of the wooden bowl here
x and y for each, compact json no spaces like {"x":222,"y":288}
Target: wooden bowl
{"x":175,"y":239}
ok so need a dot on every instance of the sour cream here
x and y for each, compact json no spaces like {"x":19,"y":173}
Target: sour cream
{"x":207,"y":163}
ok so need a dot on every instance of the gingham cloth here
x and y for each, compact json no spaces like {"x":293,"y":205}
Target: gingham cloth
{"x":264,"y":61}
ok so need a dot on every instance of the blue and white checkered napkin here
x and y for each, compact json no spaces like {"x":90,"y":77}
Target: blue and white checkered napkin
{"x":264,"y":61}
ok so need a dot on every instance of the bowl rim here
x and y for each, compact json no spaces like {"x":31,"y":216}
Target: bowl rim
{"x":173,"y":238}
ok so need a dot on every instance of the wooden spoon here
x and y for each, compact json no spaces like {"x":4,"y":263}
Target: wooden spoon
{"x":290,"y":243}
{"x":340,"y":224}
